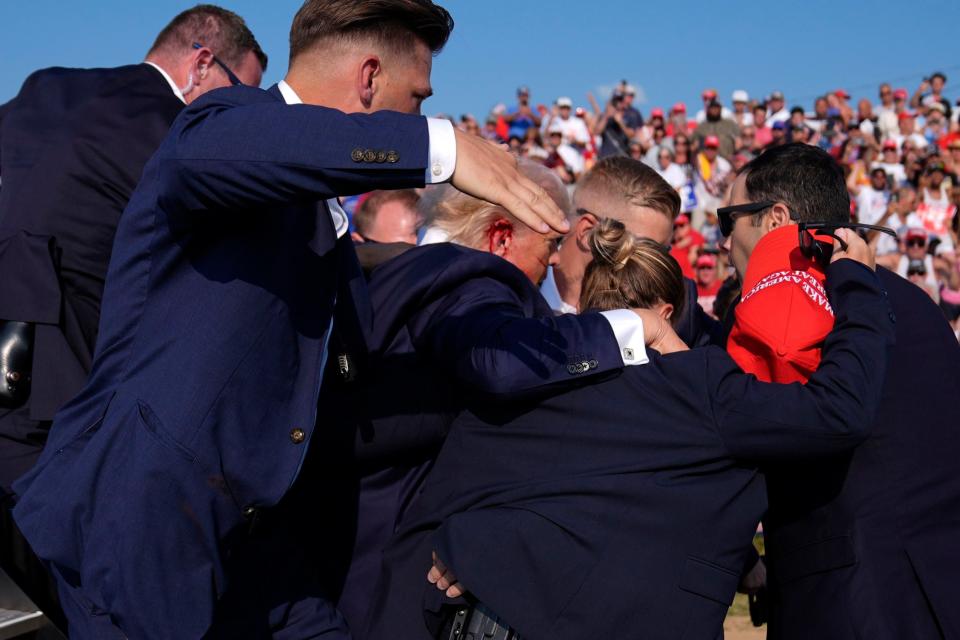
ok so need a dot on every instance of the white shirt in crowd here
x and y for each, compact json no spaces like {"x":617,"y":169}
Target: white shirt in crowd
{"x":894,"y":170}
{"x":887,"y":245}
{"x":675,"y":176}
{"x":780,"y":116}
{"x":573,"y":129}
{"x":929,"y":280}
{"x":871,"y":204}
{"x":916,"y":138}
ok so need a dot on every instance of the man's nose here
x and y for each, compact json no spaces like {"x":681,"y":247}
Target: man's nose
{"x":725,"y":244}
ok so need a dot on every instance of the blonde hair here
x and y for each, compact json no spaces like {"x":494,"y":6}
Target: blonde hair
{"x":630,"y":272}
{"x":466,"y":220}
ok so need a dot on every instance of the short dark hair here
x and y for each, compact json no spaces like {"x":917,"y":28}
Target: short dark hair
{"x":222,"y":31}
{"x":805,"y":178}
{"x":393,"y":23}
{"x":939,"y":74}
{"x":368,"y":209}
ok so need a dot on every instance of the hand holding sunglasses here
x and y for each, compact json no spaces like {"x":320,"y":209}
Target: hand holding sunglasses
{"x":810,"y":247}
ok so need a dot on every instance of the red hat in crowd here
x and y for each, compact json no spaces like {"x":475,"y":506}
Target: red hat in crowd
{"x":678,"y":108}
{"x":681,"y":220}
{"x":905,"y":115}
{"x":709,"y":94}
{"x":900,"y":94}
{"x":842,"y":93}
{"x":711,"y":142}
{"x":889,"y":144}
{"x":706,"y":260}
{"x":914,"y":233}
{"x":656,"y":112}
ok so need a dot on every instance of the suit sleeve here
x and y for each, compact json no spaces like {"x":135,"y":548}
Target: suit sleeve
{"x":242,"y":148}
{"x":695,"y":327}
{"x":835,"y":410}
{"x":486,"y":340}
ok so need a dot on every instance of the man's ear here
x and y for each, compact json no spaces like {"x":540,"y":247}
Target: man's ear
{"x":200,"y":65}
{"x":369,"y":71}
{"x":500,"y":237}
{"x":356,"y":237}
{"x":665,"y":311}
{"x":584,"y":224}
{"x":779,"y":216}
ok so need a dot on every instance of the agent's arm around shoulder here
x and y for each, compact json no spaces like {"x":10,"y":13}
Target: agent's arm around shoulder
{"x":500,"y":338}
{"x":243,"y":147}
{"x":835,"y":410}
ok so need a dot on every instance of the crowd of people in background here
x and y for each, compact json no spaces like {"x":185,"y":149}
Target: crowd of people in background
{"x":900,"y":151}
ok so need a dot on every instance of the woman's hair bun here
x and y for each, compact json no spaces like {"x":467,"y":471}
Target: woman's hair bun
{"x":611,"y":244}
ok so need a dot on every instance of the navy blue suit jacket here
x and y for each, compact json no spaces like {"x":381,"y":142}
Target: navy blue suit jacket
{"x":625,"y":507}
{"x":73,"y":144}
{"x":866,"y":544}
{"x":448,"y":320}
{"x":203,"y":396}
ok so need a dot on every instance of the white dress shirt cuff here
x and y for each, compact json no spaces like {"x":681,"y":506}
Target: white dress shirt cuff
{"x":442,"y":150}
{"x":628,"y":329}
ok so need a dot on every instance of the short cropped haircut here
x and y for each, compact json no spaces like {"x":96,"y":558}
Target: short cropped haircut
{"x":632,"y":181}
{"x":366,"y":213}
{"x":222,"y":31}
{"x":395,"y":24}
{"x":805,"y":178}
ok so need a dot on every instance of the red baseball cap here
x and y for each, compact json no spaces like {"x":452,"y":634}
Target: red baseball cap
{"x":656,"y":112}
{"x":711,"y":142}
{"x":842,"y":93}
{"x":708,"y":93}
{"x":678,"y":108}
{"x":681,"y":219}
{"x":900,"y":94}
{"x":706,"y":260}
{"x":890,"y":144}
{"x":905,"y":115}
{"x":914,"y":233}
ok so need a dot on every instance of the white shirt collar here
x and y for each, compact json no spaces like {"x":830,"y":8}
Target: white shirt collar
{"x":289,"y":95}
{"x":166,"y":76}
{"x":550,"y":292}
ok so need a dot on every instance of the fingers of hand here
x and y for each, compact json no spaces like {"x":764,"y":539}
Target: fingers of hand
{"x":455,"y":591}
{"x":437,"y":570}
{"x":442,"y":577}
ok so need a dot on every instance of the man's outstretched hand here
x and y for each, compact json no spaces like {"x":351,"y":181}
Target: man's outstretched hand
{"x":486,"y":171}
{"x":444,"y":579}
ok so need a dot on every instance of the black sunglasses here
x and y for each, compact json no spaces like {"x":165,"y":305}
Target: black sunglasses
{"x":726,"y":216}
{"x":822,"y":251}
{"x":810,"y":247}
{"x":231,"y":76}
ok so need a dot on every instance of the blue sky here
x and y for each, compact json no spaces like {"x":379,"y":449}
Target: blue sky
{"x":670,"y":50}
